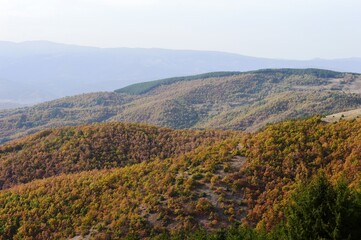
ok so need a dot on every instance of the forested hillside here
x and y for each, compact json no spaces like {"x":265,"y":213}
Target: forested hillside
{"x":243,"y":101}
{"x":231,"y":178}
{"x":99,"y":146}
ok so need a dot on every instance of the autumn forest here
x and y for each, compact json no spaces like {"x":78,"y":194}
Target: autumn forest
{"x":134,"y":181}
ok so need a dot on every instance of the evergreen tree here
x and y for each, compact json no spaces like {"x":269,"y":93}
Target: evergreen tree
{"x":320,"y":210}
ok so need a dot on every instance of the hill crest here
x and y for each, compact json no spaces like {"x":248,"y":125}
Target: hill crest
{"x":242,"y":101}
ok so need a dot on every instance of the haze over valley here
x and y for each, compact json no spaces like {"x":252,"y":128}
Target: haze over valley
{"x":52,"y":70}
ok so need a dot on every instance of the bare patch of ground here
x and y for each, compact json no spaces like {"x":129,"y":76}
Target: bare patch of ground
{"x":348,"y":115}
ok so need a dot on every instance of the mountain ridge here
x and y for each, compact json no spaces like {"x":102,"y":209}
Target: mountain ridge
{"x":147,"y":86}
{"x":242,"y":101}
{"x":46,"y":68}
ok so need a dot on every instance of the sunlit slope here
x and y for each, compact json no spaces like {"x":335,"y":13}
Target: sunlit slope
{"x":246,"y":178}
{"x":98,"y":146}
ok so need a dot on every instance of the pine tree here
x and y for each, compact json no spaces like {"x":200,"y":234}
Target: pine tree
{"x":320,"y":210}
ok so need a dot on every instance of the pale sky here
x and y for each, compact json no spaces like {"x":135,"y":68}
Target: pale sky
{"x":293,"y":29}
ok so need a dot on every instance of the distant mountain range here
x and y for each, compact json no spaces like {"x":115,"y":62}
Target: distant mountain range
{"x":9,"y":105}
{"x":32,"y":72}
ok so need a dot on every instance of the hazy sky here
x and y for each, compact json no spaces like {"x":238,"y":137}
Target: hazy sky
{"x":297,"y":29}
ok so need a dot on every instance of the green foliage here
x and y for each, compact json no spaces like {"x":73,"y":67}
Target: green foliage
{"x":281,"y":154}
{"x":321,"y":210}
{"x":310,"y":71}
{"x":233,"y":233}
{"x":142,"y":88}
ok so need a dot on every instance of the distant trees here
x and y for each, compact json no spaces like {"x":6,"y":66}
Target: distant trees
{"x":223,"y":100}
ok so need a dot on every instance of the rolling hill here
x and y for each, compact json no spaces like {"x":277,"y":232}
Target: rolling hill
{"x":240,"y":178}
{"x":349,"y":115}
{"x":38,"y":71}
{"x":98,"y":146}
{"x":221,"y":100}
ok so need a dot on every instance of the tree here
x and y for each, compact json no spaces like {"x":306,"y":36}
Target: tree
{"x":321,"y":210}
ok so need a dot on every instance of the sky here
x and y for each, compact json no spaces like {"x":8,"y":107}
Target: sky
{"x":288,"y":29}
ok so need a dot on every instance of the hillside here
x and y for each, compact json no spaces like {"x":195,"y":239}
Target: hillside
{"x":347,"y":115}
{"x":244,"y":178}
{"x":242,"y":101}
{"x":77,"y":110}
{"x":53,"y":70}
{"x":100,"y":146}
